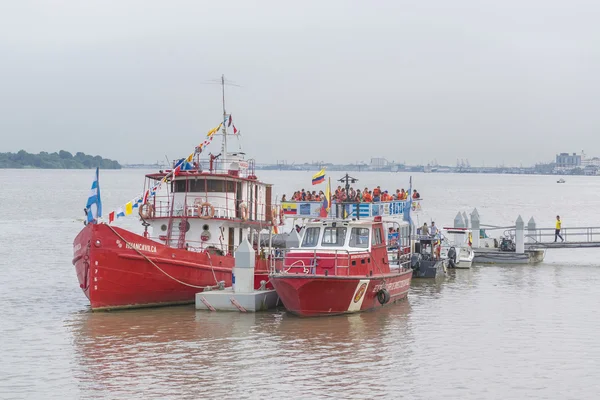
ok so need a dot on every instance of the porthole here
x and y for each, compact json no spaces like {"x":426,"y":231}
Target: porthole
{"x":185,"y":227}
{"x":163,"y":227}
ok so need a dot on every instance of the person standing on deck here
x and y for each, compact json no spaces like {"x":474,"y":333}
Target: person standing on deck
{"x":557,"y":231}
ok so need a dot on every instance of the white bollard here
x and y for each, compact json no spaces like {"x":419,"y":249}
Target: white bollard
{"x":459,"y":222}
{"x":475,"y":228}
{"x":519,"y":237}
{"x":243,"y":272}
{"x":531,"y":230}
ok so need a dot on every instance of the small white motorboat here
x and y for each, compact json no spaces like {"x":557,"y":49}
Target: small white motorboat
{"x":561,"y":180}
{"x":456,"y":247}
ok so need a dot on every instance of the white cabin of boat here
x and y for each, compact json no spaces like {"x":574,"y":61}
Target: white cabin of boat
{"x":210,"y":205}
{"x":346,"y":247}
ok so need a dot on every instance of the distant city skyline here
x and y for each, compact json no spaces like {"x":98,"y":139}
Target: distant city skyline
{"x":511,"y":82}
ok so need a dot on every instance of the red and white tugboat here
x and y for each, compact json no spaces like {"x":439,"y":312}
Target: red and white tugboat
{"x":342,"y":264}
{"x":192,"y":226}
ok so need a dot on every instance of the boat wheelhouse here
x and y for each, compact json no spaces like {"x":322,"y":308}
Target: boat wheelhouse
{"x":210,"y":209}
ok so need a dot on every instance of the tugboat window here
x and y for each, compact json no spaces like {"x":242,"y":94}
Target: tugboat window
{"x":311,"y":237}
{"x":334,"y":236}
{"x":376,"y":236}
{"x":359,"y":237}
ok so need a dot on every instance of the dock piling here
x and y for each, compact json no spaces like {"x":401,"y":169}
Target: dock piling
{"x":520,"y":235}
{"x":531,"y":231}
{"x":475,"y":228}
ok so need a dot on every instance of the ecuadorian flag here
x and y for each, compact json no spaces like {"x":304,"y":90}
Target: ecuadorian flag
{"x":326,"y":201}
{"x":319,"y":177}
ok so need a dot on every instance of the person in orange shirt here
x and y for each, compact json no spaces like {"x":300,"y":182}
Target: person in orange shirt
{"x":367,"y":198}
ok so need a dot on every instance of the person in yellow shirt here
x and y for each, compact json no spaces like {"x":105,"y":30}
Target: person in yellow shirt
{"x":557,"y":231}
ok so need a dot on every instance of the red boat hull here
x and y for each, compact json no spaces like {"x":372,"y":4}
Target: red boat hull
{"x":317,"y":295}
{"x":119,"y":269}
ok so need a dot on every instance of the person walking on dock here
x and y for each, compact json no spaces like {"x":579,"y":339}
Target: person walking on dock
{"x":557,"y":231}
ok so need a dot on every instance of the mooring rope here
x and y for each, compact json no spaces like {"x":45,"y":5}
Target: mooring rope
{"x":160,"y":269}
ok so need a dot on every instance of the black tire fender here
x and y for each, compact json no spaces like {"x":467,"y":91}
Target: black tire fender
{"x":383,"y":296}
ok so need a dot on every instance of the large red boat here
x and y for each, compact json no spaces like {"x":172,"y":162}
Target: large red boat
{"x":193,"y":220}
{"x":342,"y":265}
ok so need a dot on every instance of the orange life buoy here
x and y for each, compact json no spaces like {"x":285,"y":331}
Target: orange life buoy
{"x":244,"y":211}
{"x":146,"y":211}
{"x":210,"y":210}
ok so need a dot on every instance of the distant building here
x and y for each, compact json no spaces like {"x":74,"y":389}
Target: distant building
{"x":377,"y":163}
{"x":565,"y":161}
{"x":594,"y":161}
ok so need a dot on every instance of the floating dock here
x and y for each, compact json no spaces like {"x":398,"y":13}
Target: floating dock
{"x":241,"y":296}
{"x":497,"y":256}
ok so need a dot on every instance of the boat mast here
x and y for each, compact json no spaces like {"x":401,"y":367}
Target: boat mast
{"x":224,"y":130}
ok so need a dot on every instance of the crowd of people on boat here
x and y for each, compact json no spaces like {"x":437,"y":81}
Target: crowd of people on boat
{"x":352,"y":195}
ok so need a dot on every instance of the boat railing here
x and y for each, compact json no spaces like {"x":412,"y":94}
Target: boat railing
{"x":312,"y":209}
{"x":216,"y":247}
{"x":218,"y":165}
{"x":213,"y":206}
{"x":585,"y":234}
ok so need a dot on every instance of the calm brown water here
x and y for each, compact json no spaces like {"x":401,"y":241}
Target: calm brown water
{"x":510,"y":332}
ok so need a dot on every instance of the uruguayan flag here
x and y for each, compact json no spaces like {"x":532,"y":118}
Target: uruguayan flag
{"x":94,"y":205}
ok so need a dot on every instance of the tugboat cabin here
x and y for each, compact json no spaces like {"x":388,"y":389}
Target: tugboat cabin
{"x":345,"y":248}
{"x":208,"y":209}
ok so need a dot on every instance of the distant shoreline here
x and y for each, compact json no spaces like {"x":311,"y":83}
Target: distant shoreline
{"x":58,"y":160}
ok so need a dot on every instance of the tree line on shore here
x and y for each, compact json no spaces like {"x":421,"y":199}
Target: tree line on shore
{"x":61,"y":160}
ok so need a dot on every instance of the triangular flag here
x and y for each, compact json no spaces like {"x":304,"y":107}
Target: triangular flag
{"x":235,"y":131}
{"x":111,"y":217}
{"x":190,"y":157}
{"x":128,"y":208}
{"x":120,"y":212}
{"x":230,"y":119}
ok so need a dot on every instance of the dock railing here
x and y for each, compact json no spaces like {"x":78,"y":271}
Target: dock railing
{"x":588,"y":234}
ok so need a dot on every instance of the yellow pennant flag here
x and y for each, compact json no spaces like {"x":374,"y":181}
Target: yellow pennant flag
{"x":190,"y":157}
{"x":213,"y":130}
{"x":128,"y":208}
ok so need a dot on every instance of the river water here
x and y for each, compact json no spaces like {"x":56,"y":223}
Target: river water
{"x":510,"y":332}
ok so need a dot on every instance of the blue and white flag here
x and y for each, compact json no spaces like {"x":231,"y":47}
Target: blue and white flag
{"x":94,"y":204}
{"x":407,"y":210}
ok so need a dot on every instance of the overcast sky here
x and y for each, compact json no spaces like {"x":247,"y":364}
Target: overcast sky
{"x":340,"y":81}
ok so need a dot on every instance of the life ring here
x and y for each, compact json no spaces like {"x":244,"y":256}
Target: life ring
{"x":210,"y":210}
{"x":244,"y":211}
{"x":383,"y":296}
{"x":146,"y":211}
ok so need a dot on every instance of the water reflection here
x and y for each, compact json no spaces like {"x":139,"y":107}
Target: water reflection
{"x":197,"y":350}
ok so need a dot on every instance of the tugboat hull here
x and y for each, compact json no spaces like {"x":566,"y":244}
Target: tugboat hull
{"x":314,"y":295}
{"x":119,"y":269}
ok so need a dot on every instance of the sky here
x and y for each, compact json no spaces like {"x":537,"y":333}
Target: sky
{"x":495,"y":82}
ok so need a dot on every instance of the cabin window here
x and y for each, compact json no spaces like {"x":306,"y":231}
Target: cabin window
{"x":220,"y":186}
{"x":178,"y":186}
{"x":202,"y":185}
{"x":334,"y":236}
{"x":376,"y":236}
{"x":359,"y":237}
{"x":311,"y":237}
